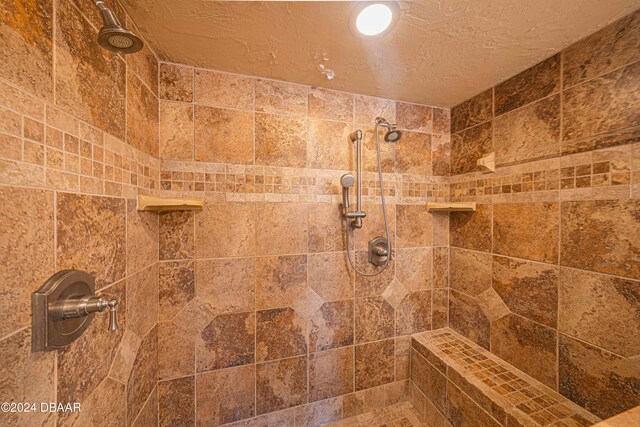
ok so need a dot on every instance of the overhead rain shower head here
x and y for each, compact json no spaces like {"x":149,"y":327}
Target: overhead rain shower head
{"x":393,"y":135}
{"x":113,"y":36}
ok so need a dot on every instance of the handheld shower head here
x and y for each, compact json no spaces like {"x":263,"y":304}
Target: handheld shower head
{"x":113,"y":36}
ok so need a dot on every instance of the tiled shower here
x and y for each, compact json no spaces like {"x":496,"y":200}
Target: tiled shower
{"x":247,"y":311}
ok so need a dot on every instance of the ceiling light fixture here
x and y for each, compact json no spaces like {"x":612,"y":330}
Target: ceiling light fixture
{"x":374,"y":19}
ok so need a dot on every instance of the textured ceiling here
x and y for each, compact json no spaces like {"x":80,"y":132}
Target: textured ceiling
{"x":440,"y":52}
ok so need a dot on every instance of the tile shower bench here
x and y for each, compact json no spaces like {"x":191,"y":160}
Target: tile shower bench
{"x":455,"y":380}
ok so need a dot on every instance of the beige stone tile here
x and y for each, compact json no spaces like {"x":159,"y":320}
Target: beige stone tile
{"x":176,"y":287}
{"x":319,"y":413}
{"x":107,"y":402}
{"x":440,"y":308}
{"x":601,"y":310}
{"x":280,"y":333}
{"x":176,"y":351}
{"x":26,"y":377}
{"x":414,"y":226}
{"x":29,"y":60}
{"x":413,"y":314}
{"x":176,"y":402}
{"x":26,"y":245}
{"x":470,"y":271}
{"x":226,"y":285}
{"x":374,"y":319}
{"x":367,"y":108}
{"x":90,"y":81}
{"x":223,"y":135}
{"x":374,"y":364}
{"x":413,"y":154}
{"x":144,"y":375}
{"x":330,"y":105}
{"x":329,"y":146}
{"x":225,"y":229}
{"x":468,"y":146}
{"x":604,"y":51}
{"x":281,"y":228}
{"x":229,"y":340}
{"x":125,"y":357}
{"x":467,"y":318}
{"x":472,"y":112}
{"x":440,"y":155}
{"x":387,"y":152}
{"x":176,"y":131}
{"x":176,"y":235}
{"x":526,"y":230}
{"x":142,"y":300}
{"x":281,"y":140}
{"x":429,"y":380}
{"x":331,"y":326}
{"x":326,"y":228}
{"x":280,"y":280}
{"x":372,"y":285}
{"x":223,"y":90}
{"x":472,"y":230}
{"x":281,"y":98}
{"x":331,"y":373}
{"x":144,"y":63}
{"x":91,"y":236}
{"x":175,"y":82}
{"x":414,"y":267}
{"x":225,"y":396}
{"x":414,"y":117}
{"x":528,"y":289}
{"x":142,"y":238}
{"x":441,"y":121}
{"x":330,"y":275}
{"x":142,"y":116}
{"x":601,"y":382}
{"x":462,"y":408}
{"x":281,"y":384}
{"x":440,"y":268}
{"x":601,"y":235}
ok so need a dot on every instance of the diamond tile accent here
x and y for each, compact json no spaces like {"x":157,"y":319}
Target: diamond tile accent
{"x":395,"y":293}
{"x":195,"y":316}
{"x":492,"y":305}
{"x":307,"y":303}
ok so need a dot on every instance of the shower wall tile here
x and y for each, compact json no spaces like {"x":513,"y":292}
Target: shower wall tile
{"x":474,"y":111}
{"x":374,"y":364}
{"x":280,"y":333}
{"x":280,"y":280}
{"x":528,"y":231}
{"x":530,"y":133}
{"x":414,"y":154}
{"x":472,"y":230}
{"x":176,"y":131}
{"x":413,"y":226}
{"x":142,"y":299}
{"x":330,"y":275}
{"x":529,"y":289}
{"x":413,"y":314}
{"x":175,"y":82}
{"x":519,"y":341}
{"x":325,"y":228}
{"x":26,"y":377}
{"x":612,"y":47}
{"x":281,"y":140}
{"x":440,"y":277}
{"x":466,"y":317}
{"x":223,"y":90}
{"x":414,"y":117}
{"x":539,"y":81}
{"x":144,"y":375}
{"x":281,"y":98}
{"x":440,"y":155}
{"x":142,"y":116}
{"x":332,"y":326}
{"x":27,"y":251}
{"x":282,"y":229}
{"x":387,"y":153}
{"x":28,"y":60}
{"x":603,"y":104}
{"x":328,"y":145}
{"x":414,"y":267}
{"x":441,"y":121}
{"x":176,"y":402}
{"x":374,"y":225}
{"x":468,"y":146}
{"x":91,"y":236}
{"x":108,"y":401}
{"x":440,"y":309}
{"x":587,"y":301}
{"x":281,"y":384}
{"x":602,"y":382}
{"x":374,"y":319}
{"x":470,"y":271}
{"x":225,"y":396}
{"x":176,"y":237}
{"x":90,"y":81}
{"x":144,"y":63}
{"x":230,"y":229}
{"x":229,"y":340}
{"x":331,"y":373}
{"x":142,"y":238}
{"x":176,"y":352}
{"x":149,"y":413}
{"x":330,"y":105}
{"x":226,"y":285}
{"x":367,"y":108}
{"x":600,"y":235}
{"x":223,"y":135}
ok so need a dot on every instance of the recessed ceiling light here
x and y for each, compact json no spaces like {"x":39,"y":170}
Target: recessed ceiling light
{"x":374,"y":19}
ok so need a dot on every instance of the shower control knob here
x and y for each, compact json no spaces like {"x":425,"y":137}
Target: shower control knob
{"x":113,"y":315}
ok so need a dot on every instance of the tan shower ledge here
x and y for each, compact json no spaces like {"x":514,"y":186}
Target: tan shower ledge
{"x":451,"y":206}
{"x":151,"y":203}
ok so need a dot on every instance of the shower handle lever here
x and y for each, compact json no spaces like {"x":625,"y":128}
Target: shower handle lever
{"x":75,"y":307}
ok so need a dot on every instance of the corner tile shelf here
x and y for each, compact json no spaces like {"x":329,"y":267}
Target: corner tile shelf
{"x":151,"y":203}
{"x":451,"y":206}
